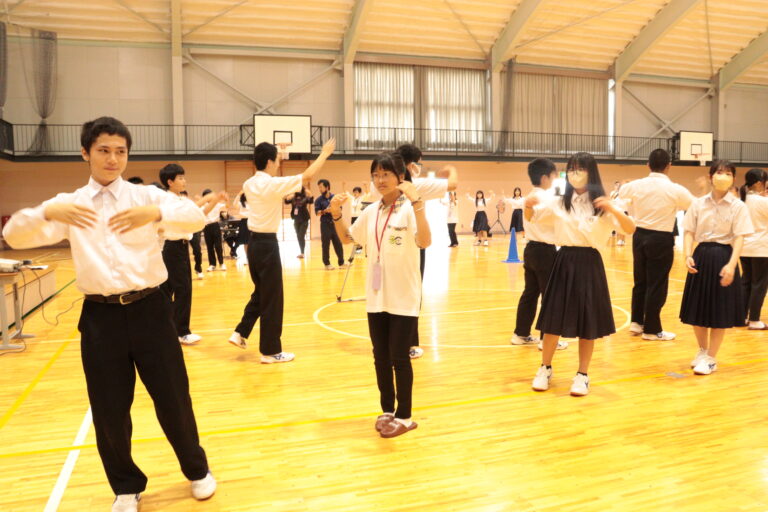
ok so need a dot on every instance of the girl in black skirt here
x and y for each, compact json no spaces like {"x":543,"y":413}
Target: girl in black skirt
{"x":517,"y":212}
{"x":577,"y":303}
{"x":480,"y":225}
{"x":712,"y":299}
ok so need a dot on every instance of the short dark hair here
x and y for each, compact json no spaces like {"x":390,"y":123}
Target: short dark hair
{"x":206,"y":191}
{"x":410,"y":153}
{"x":658,"y":160}
{"x":136,"y":180}
{"x":325,"y":183}
{"x":262,"y":154}
{"x":109,"y":125}
{"x":722,"y":164}
{"x":357,"y":189}
{"x":169,"y":172}
{"x":538,"y":168}
{"x":389,"y":161}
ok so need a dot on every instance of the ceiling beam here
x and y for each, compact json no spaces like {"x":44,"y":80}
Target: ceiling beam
{"x":215,"y":17}
{"x":352,"y":35}
{"x":510,"y":36}
{"x":743,"y":60}
{"x":662,"y":23}
{"x":136,"y":13}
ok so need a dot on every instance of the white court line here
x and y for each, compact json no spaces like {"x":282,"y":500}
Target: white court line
{"x":630,"y":272}
{"x":61,"y":484}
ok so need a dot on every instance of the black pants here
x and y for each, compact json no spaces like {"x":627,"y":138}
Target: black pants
{"x":538,"y":259}
{"x":392,"y":336}
{"x":178,"y":287}
{"x":197,"y":252}
{"x":267,"y":298}
{"x":328,"y":235}
{"x":755,"y":282}
{"x":116,"y":342}
{"x":452,"y":233}
{"x":212,"y":233}
{"x":301,"y":225}
{"x":653,"y":253}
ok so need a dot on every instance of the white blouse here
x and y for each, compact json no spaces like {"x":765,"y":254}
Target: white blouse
{"x":717,"y":221}
{"x":479,"y":206}
{"x":756,"y":244}
{"x":579,"y":227}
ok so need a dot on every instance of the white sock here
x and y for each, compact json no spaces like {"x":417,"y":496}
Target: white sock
{"x":407,"y":422}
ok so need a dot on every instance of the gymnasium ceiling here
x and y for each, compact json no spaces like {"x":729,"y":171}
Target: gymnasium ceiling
{"x":692,"y":39}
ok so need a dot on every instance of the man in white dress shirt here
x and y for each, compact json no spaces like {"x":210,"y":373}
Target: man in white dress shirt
{"x":655,"y":201}
{"x":126,"y":324}
{"x":264,"y":193}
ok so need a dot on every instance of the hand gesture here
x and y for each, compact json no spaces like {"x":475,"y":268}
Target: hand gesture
{"x":223,"y":196}
{"x":691,"y":265}
{"x":409,"y":189}
{"x":605,"y":204}
{"x":70,"y":213}
{"x":726,"y":275}
{"x":531,"y":201}
{"x":133,"y":218}
{"x":329,"y":147}
{"x":336,"y":202}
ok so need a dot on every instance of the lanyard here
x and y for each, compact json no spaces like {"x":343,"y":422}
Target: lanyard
{"x":383,"y":230}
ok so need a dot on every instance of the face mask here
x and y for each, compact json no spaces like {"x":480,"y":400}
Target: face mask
{"x":578,"y":179}
{"x":722,"y":182}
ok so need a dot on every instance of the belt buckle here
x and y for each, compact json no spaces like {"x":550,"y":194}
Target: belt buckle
{"x":123,"y":301}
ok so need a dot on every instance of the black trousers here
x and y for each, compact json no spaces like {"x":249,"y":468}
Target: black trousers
{"x":197,"y":252}
{"x":754,"y":280}
{"x":116,"y":342}
{"x":212,"y":233}
{"x":392,"y":336}
{"x":301,"y":225}
{"x":452,"y":233}
{"x":328,"y":235}
{"x":653,"y":253}
{"x":267,"y":298}
{"x":178,"y":287}
{"x":538,"y":259}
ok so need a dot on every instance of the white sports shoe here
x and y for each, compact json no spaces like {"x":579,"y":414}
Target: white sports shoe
{"x":126,"y":503}
{"x":485,"y":243}
{"x":282,"y":357}
{"x":707,"y":365}
{"x":237,"y":340}
{"x":204,"y":488}
{"x":415,"y":352}
{"x":580,"y":386}
{"x":223,"y":267}
{"x":527,"y":340}
{"x":542,"y":378}
{"x":696,"y":360}
{"x":662,"y":336}
{"x":330,"y":267}
{"x":635,"y":329}
{"x":199,"y":275}
{"x":211,"y":268}
{"x":189,"y":339}
{"x":561,"y":345}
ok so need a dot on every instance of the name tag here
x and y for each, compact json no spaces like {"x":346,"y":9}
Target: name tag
{"x":376,"y":277}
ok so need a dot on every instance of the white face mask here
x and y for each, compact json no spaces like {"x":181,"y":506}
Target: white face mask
{"x":578,"y":179}
{"x":722,"y":182}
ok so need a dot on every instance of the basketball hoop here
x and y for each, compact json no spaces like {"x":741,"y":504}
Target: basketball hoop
{"x":284,"y":153}
{"x":701,"y":157}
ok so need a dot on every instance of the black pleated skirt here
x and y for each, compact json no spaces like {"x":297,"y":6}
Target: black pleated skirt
{"x":577,"y":303}
{"x":480,"y":223}
{"x":706,"y":303}
{"x":517,"y":221}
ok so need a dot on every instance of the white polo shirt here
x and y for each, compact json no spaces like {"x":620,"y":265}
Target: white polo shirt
{"x":756,"y":244}
{"x":264,"y":195}
{"x":400,"y":292}
{"x":654,"y":201}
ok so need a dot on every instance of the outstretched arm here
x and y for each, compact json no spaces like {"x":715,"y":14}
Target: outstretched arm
{"x":328,"y":147}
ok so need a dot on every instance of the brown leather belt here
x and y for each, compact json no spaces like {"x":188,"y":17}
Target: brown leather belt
{"x":122,"y":298}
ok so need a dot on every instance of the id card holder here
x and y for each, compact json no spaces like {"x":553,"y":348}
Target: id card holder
{"x":376,"y":278}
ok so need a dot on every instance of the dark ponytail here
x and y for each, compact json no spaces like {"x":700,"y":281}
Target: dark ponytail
{"x":752,"y":177}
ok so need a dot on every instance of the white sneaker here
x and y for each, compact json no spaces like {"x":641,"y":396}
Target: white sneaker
{"x":189,"y":339}
{"x":707,"y":365}
{"x":527,"y":340}
{"x":696,"y":360}
{"x":330,"y":267}
{"x":211,"y":268}
{"x":237,"y":340}
{"x":561,"y":345}
{"x":204,"y":488}
{"x":223,"y":267}
{"x":485,"y":243}
{"x":282,"y":357}
{"x":662,"y":336}
{"x":580,"y":386}
{"x":415,"y":352}
{"x":620,"y":243}
{"x":126,"y":503}
{"x":542,"y":378}
{"x":199,"y":275}
{"x":635,"y":329}
{"x":477,"y":242}
{"x":757,"y":326}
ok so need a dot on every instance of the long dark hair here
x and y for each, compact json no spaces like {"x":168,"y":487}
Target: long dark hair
{"x":586,"y":162}
{"x":483,"y":198}
{"x":517,"y":189}
{"x":752,"y":177}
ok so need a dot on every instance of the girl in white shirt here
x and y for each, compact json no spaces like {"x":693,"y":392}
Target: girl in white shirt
{"x":452,"y":216}
{"x":480,"y":225}
{"x":754,"y":255}
{"x":576,"y":303}
{"x":712,"y":298}
{"x":517,"y":202}
{"x":394,"y":228}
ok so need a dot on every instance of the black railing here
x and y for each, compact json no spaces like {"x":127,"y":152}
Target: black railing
{"x":200,"y":140}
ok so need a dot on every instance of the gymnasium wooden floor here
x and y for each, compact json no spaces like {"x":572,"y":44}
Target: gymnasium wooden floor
{"x":300,"y":437}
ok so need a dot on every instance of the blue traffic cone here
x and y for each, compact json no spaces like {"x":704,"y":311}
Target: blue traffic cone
{"x":512,"y":257}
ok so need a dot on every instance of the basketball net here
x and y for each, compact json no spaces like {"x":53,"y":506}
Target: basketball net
{"x":284,"y":153}
{"x":701,"y":157}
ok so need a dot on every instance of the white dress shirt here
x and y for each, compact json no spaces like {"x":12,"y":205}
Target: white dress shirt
{"x":579,"y":227}
{"x":452,"y":213}
{"x":213,"y":216}
{"x":756,"y":244}
{"x":481,"y":206}
{"x":717,"y":221}
{"x":264,"y":195}
{"x":655,"y":200}
{"x":169,"y":233}
{"x":539,"y":231}
{"x":428,"y":188}
{"x":108,"y":263}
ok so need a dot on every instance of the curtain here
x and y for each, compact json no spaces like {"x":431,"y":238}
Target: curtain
{"x":454,"y":108}
{"x":384,"y":105}
{"x":3,"y":66}
{"x":44,"y":80}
